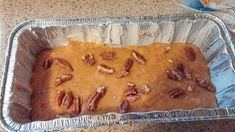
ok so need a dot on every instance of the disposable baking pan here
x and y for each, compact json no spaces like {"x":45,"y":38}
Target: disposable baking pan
{"x":206,"y":31}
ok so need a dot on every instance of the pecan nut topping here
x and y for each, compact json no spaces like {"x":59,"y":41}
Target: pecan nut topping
{"x":47,"y":63}
{"x":190,"y":54}
{"x":144,"y":89}
{"x":122,"y":74}
{"x":63,"y":63}
{"x":77,"y":105}
{"x":67,"y":100}
{"x":93,"y":102}
{"x":130,"y":92}
{"x":88,"y":59}
{"x":176,"y":93}
{"x":185,"y":71}
{"x":63,"y":78}
{"x":60,"y":97}
{"x":138,"y":57}
{"x":205,"y":84}
{"x":94,"y":99}
{"x":108,"y":55}
{"x":105,"y":69}
{"x":128,"y":64}
{"x":173,"y":75}
{"x":124,"y":106}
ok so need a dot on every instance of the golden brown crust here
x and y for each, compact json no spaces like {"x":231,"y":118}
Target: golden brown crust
{"x":151,"y":72}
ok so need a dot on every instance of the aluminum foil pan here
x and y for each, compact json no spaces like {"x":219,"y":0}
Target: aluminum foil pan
{"x":29,"y":38}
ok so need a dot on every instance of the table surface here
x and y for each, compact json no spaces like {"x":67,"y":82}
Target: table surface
{"x":13,"y":12}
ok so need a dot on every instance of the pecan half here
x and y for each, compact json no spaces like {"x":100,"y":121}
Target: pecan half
{"x":77,"y":105}
{"x":88,"y":59}
{"x":130,"y":91}
{"x":205,"y":84}
{"x":105,"y":69}
{"x":60,"y":97}
{"x":67,"y":100}
{"x":94,"y":99}
{"x":63,"y":78}
{"x":173,"y":75}
{"x":190,"y":54}
{"x":47,"y":63}
{"x":132,"y":98}
{"x":124,"y":106}
{"x":128,"y":64}
{"x":107,"y":55}
{"x":138,"y":57}
{"x":144,"y":89}
{"x":176,"y":93}
{"x":63,"y":63}
{"x":122,"y":74}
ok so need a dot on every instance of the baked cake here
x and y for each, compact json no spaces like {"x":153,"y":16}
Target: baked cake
{"x":87,"y":78}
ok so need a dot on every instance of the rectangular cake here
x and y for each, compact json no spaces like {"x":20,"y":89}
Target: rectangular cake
{"x":86,"y":78}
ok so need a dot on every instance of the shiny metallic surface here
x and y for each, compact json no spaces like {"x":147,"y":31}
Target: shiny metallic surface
{"x":204,"y":30}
